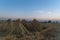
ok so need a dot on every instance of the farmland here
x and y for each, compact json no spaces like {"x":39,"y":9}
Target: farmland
{"x":22,"y":30}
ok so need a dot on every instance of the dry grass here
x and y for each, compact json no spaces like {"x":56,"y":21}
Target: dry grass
{"x":22,"y":33}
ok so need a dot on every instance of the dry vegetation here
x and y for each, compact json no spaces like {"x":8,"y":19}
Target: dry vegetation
{"x":23,"y":30}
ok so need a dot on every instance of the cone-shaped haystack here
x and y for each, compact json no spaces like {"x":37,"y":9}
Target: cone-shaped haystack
{"x":16,"y":28}
{"x":36,"y":24}
{"x":19,"y":28}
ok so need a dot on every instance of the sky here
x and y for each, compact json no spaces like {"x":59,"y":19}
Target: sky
{"x":39,"y":9}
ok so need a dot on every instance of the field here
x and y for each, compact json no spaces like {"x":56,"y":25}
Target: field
{"x":56,"y":26}
{"x":29,"y":31}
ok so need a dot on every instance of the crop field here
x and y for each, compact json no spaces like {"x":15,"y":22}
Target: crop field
{"x":22,"y":30}
{"x":57,"y":28}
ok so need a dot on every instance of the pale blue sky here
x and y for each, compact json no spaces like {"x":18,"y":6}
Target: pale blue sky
{"x":40,"y":9}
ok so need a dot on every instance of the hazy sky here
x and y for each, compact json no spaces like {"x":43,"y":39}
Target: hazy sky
{"x":40,"y":9}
